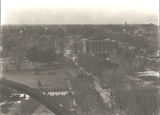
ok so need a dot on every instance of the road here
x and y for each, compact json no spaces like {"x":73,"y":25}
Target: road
{"x":104,"y":94}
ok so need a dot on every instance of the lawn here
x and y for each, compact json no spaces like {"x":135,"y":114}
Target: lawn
{"x":49,"y":79}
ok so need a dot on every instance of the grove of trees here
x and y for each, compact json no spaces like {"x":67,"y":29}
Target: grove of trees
{"x":128,"y":97}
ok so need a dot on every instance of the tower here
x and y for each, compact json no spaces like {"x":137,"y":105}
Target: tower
{"x":125,"y":23}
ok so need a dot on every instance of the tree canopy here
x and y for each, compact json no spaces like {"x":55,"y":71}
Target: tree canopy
{"x":35,"y":54}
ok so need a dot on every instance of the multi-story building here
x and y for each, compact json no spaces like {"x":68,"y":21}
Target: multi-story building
{"x":96,"y":47}
{"x":155,"y":57}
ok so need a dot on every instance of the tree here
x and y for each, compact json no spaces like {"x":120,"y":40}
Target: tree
{"x":87,"y":99}
{"x":35,"y":54}
{"x":130,"y":97}
{"x":137,"y":101}
{"x":90,"y":63}
{"x":5,"y":93}
{"x":4,"y":109}
{"x":75,"y":47}
{"x":60,"y":34}
{"x":99,"y":34}
{"x":39,"y":83}
{"x":17,"y":56}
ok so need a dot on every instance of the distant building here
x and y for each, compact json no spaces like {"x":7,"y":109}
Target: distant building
{"x":67,"y":53}
{"x":125,"y":23}
{"x":148,"y":74}
{"x":155,"y":57}
{"x":157,"y":53}
{"x":104,"y":46}
{"x":139,"y":31}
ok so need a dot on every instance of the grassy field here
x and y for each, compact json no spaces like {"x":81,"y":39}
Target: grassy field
{"x":49,"y":79}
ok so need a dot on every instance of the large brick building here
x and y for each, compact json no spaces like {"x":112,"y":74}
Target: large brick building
{"x":104,"y":46}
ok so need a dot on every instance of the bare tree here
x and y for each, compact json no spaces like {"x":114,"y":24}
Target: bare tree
{"x":17,"y":56}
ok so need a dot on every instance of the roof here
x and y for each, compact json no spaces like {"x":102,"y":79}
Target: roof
{"x":148,"y":73}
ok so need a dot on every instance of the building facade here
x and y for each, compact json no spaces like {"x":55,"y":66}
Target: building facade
{"x":104,"y":46}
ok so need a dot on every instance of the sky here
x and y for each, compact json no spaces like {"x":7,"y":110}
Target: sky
{"x":79,"y":11}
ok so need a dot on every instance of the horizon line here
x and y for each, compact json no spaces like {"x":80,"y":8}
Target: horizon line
{"x":86,"y":24}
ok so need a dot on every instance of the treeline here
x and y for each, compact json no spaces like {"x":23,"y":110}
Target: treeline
{"x":57,"y":32}
{"x":72,"y":30}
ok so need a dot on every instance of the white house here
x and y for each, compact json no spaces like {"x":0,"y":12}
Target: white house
{"x":148,"y":74}
{"x":67,"y":53}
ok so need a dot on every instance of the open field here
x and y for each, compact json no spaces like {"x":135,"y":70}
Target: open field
{"x":49,"y":79}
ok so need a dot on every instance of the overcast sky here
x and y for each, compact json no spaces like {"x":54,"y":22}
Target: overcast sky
{"x":79,"y":11}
